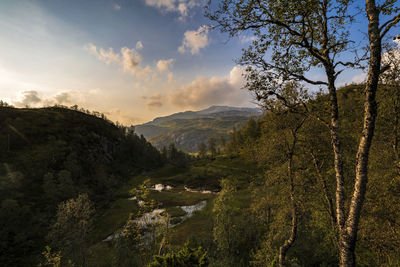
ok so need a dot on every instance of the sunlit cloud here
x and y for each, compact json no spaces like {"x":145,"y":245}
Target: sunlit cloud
{"x":30,"y":98}
{"x":107,"y":56}
{"x":193,"y":41}
{"x":164,"y":65}
{"x":129,"y":59}
{"x":126,"y":118}
{"x":204,"y":91}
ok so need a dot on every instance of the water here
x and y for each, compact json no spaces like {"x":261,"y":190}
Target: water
{"x":156,"y":216}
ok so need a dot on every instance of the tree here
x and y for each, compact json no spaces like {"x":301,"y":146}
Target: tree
{"x":212,"y":147}
{"x":234,"y":231}
{"x":69,"y":233}
{"x":202,"y":149}
{"x":222,"y":141}
{"x":303,"y":35}
{"x":290,"y":144}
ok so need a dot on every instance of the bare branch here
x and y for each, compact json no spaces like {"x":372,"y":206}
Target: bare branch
{"x":388,"y":25}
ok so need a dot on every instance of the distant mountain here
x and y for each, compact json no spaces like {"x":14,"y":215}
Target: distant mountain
{"x":188,"y":129}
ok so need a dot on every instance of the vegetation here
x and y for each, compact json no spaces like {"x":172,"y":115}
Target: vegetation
{"x":187,"y":130}
{"x":300,"y":36}
{"x":52,"y":155}
{"x":315,"y":181}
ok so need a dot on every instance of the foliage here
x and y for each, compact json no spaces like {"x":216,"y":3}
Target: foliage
{"x":50,"y":155}
{"x":69,"y":233}
{"x":185,"y":257}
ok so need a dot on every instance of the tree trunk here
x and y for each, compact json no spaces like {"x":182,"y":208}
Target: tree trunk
{"x":348,"y":235}
{"x":293,"y":233}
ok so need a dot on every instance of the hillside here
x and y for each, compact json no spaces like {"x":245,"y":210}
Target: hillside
{"x":49,"y":155}
{"x":188,"y":129}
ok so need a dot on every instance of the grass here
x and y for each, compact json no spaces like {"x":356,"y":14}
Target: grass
{"x":198,"y":227}
{"x":113,"y":219}
{"x":202,"y":173}
{"x":175,"y":211}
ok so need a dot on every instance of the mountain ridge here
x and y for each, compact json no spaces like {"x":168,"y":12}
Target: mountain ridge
{"x":188,"y":129}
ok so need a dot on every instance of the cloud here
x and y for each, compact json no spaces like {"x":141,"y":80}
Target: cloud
{"x":63,"y":98}
{"x":129,"y":59}
{"x":360,"y":78}
{"x":193,"y":41}
{"x":30,"y":98}
{"x":116,"y":7}
{"x":163,"y":65}
{"x":107,"y":56}
{"x":179,"y":6}
{"x":246,"y":39}
{"x":139,"y":45}
{"x":203,"y":91}
{"x":155,"y":101}
{"x":171,"y":78}
{"x":123,"y":117}
{"x":33,"y":99}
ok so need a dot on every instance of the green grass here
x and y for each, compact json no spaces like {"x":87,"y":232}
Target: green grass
{"x":175,"y":211}
{"x":203,"y":172}
{"x":113,"y":219}
{"x":198,"y":227}
{"x":182,"y":198}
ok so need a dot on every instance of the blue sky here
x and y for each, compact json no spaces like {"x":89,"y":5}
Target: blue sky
{"x":131,"y":59}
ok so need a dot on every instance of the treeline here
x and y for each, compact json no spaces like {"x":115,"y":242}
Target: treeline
{"x":212,"y":148}
{"x":174,"y":156}
{"x":51,"y":155}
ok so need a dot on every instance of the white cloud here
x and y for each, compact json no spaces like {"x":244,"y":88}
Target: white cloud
{"x":179,"y":6}
{"x":164,"y":65}
{"x":246,"y":39}
{"x":203,"y":91}
{"x":193,"y":41}
{"x":360,"y":78}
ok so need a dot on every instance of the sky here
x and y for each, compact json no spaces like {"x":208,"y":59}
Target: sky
{"x":132,"y":60}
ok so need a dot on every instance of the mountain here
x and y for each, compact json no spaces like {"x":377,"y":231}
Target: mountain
{"x":188,"y":129}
